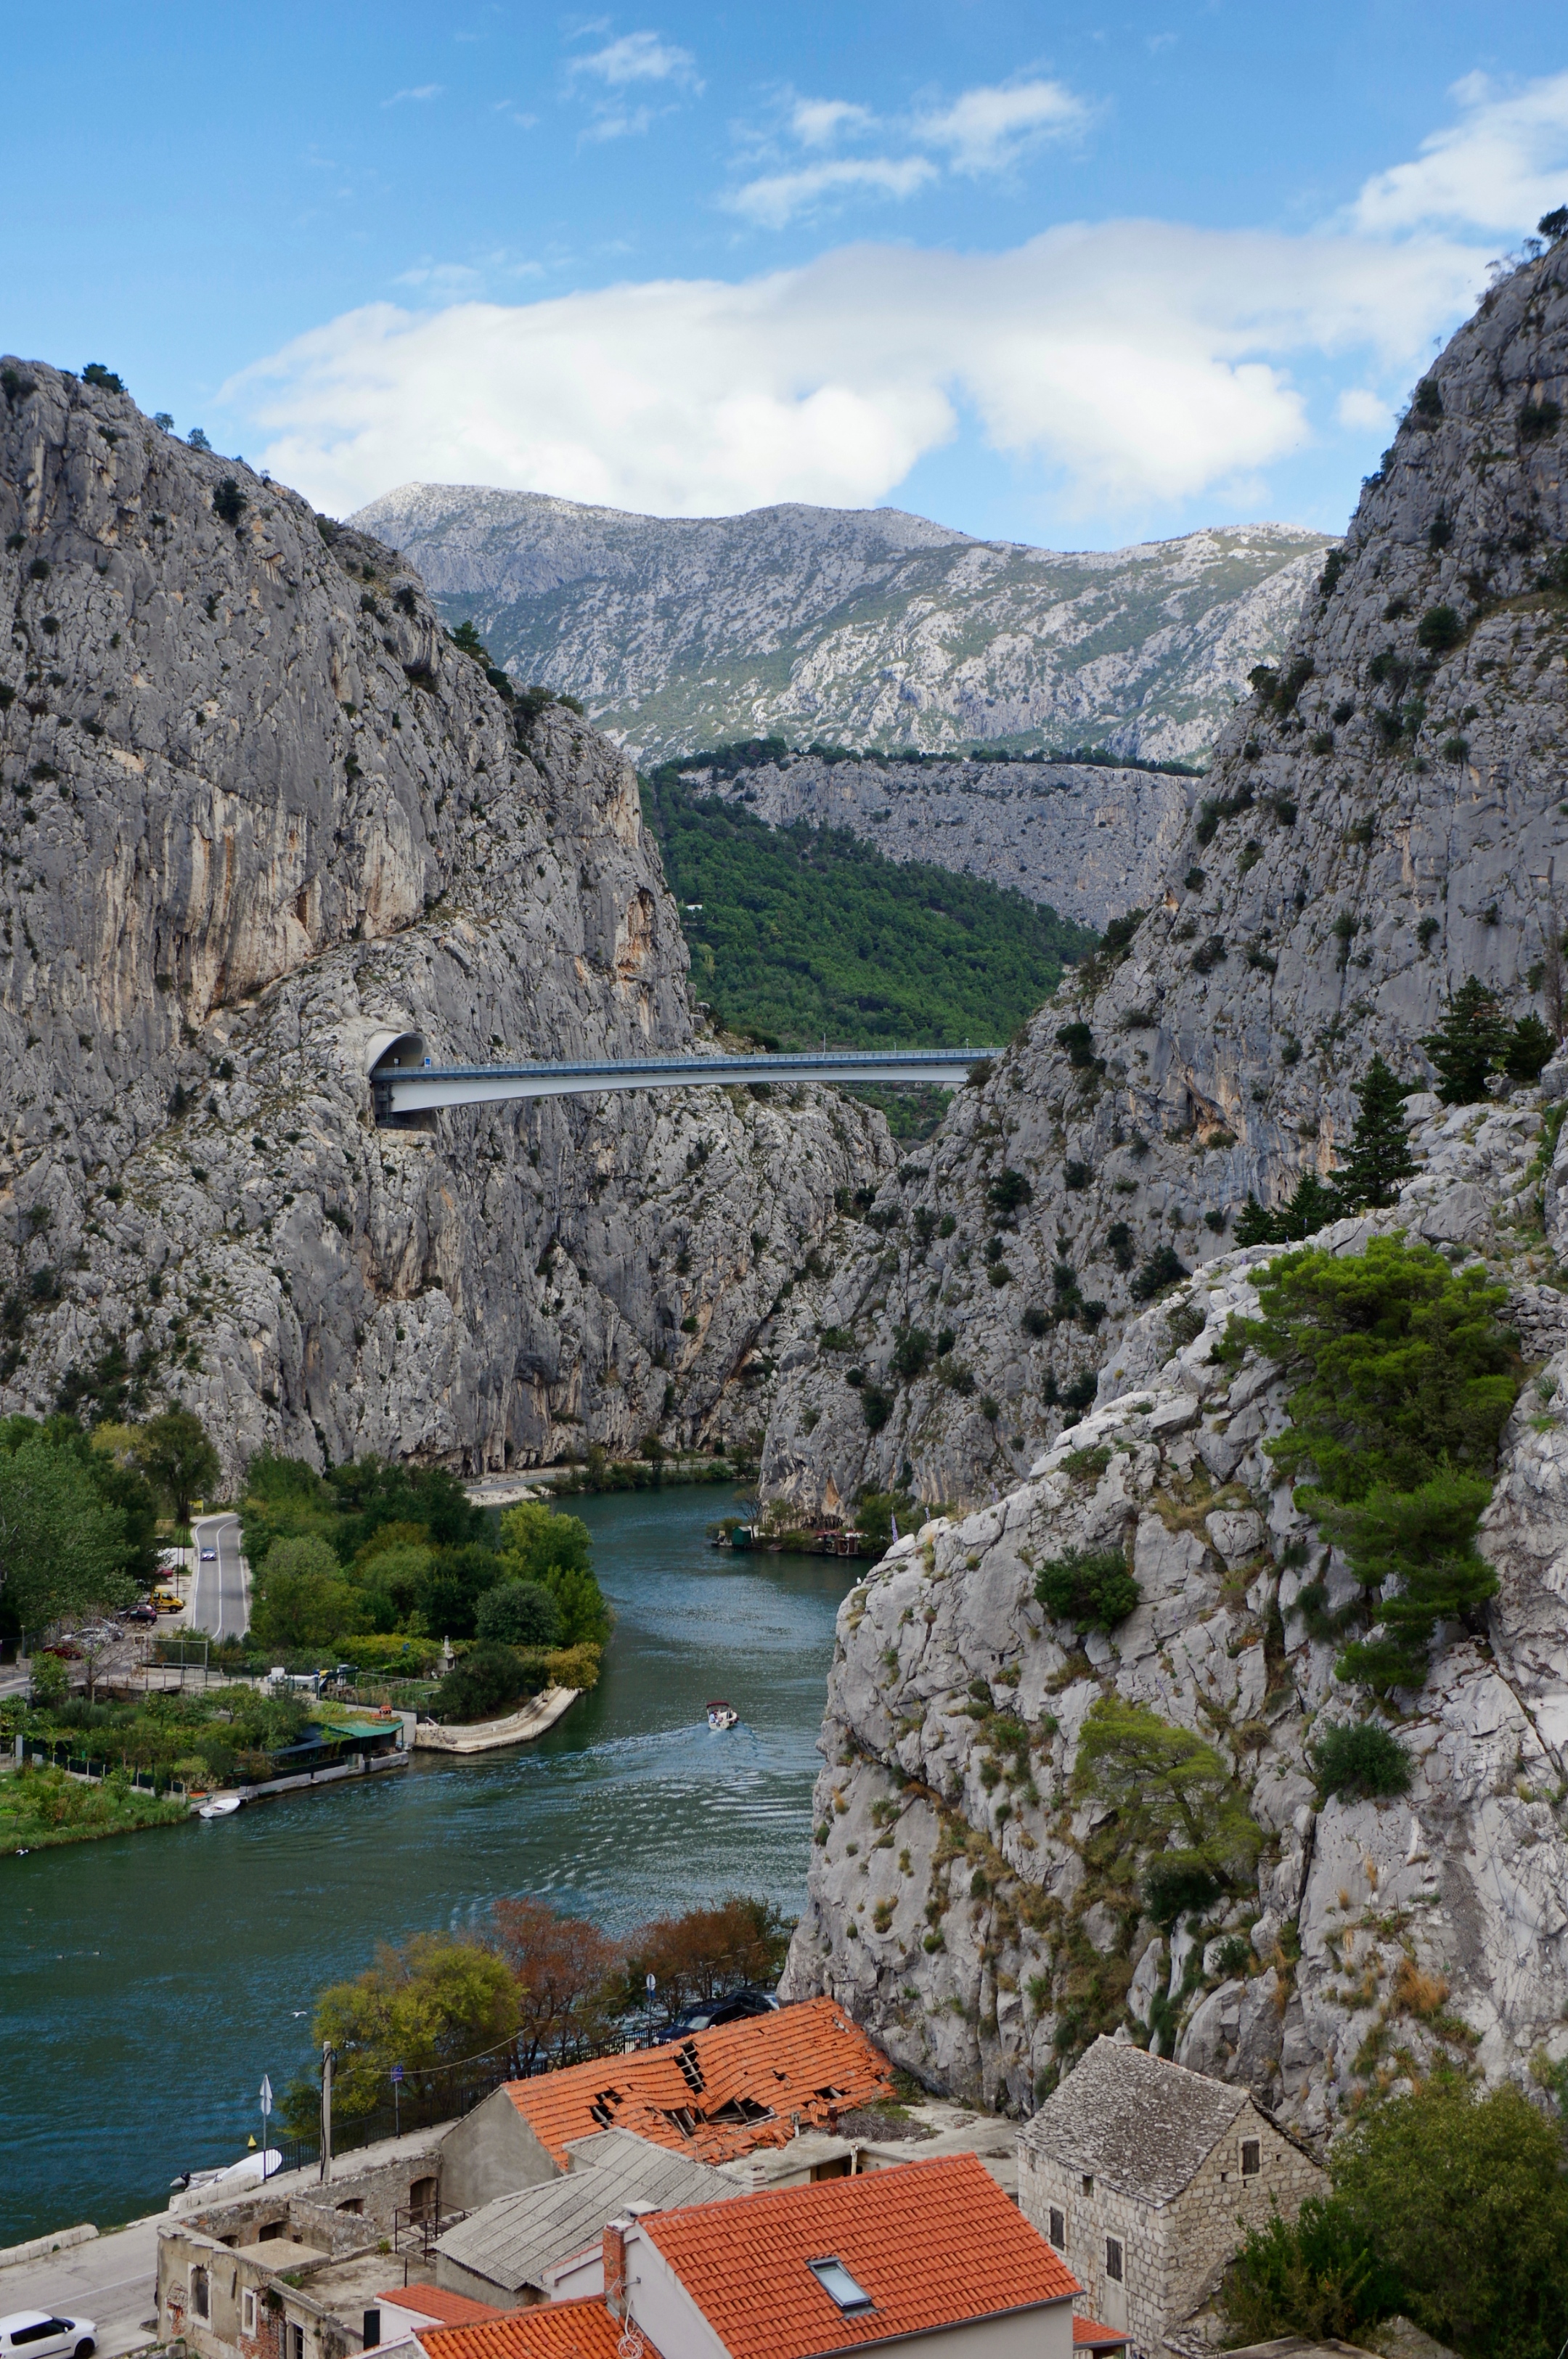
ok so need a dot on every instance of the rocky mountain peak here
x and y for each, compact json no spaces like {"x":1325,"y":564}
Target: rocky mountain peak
{"x":1382,"y":819}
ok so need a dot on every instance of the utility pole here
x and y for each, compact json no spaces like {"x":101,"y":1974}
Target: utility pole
{"x":265,"y":2110}
{"x":326,"y":2113}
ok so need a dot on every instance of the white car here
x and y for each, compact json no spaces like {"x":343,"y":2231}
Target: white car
{"x":209,"y":1556}
{"x":45,"y":2335}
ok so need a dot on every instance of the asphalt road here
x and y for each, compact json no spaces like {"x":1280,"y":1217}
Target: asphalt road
{"x":111,"y":2281}
{"x":219,"y":1592}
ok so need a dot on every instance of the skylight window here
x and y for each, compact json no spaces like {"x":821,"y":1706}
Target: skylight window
{"x":839,"y":2286}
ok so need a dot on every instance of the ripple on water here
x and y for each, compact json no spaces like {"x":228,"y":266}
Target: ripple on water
{"x":147,"y":1983}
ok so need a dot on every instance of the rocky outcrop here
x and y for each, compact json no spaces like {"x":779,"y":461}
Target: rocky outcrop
{"x":1089,"y":842}
{"x":867,"y":627}
{"x":1381,"y":819}
{"x":255,"y":807}
{"x":959,"y":1904}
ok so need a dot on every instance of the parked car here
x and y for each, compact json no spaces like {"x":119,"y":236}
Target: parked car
{"x":168,"y":1601}
{"x":66,"y":1649}
{"x":140,"y":1612}
{"x":735,"y":2006}
{"x":42,"y":2335}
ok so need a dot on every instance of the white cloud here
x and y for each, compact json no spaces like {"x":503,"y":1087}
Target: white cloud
{"x":1143,"y":362}
{"x":427,"y":90}
{"x":985,"y":130}
{"x":636,"y":57}
{"x":778,"y":196}
{"x":1502,"y":166}
{"x":1362,"y":411}
{"x":818,"y":122}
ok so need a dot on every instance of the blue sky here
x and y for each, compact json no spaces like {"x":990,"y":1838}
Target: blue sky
{"x":1059,"y":274}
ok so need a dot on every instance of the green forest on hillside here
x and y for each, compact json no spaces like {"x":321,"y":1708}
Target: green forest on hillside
{"x":807,"y":933}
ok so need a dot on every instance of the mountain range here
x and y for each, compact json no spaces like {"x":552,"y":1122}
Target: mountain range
{"x":867,"y":627}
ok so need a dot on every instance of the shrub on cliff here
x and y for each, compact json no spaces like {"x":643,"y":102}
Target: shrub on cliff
{"x":1360,"y":1762}
{"x":1177,"y":1806}
{"x":1093,"y":1590}
{"x":1406,"y":1381}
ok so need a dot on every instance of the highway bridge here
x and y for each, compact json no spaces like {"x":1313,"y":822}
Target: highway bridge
{"x":407,"y":1085}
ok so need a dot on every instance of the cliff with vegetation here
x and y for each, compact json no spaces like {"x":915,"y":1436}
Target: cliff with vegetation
{"x":1381,"y":821}
{"x":255,"y":807}
{"x":1231,"y":1716}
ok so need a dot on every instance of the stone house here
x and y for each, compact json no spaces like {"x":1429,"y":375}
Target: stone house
{"x":1144,"y":2176}
{"x":296,"y":2274}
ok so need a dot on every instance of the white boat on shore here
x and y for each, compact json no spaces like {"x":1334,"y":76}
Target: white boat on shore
{"x":722,"y":1715}
{"x":219,"y":1805}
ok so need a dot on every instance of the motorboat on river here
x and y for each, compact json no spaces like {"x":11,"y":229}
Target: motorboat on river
{"x":722,"y":1715}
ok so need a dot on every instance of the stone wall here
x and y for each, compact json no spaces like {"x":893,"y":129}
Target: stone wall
{"x":1172,"y":2254}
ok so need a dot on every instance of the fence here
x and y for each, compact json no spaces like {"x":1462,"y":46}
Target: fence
{"x":58,"y":1754}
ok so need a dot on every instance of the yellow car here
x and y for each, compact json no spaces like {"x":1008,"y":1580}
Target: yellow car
{"x":168,"y":1602}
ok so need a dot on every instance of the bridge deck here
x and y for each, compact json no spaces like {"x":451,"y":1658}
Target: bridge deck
{"x":401,"y":1090}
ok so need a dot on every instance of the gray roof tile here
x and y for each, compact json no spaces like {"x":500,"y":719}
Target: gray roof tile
{"x":512,"y":2240}
{"x":1142,"y":2124}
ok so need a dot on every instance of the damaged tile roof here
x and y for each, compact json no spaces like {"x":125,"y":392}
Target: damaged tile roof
{"x":1138,"y":2123}
{"x":933,"y":2244}
{"x":554,"y":2330}
{"x":718,"y":2095}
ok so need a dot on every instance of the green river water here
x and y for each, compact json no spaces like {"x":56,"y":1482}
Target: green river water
{"x":147,"y":1983}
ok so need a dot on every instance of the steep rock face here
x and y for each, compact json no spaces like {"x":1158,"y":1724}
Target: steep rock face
{"x":868,"y":626}
{"x":1089,"y":841}
{"x":255,"y":809}
{"x":958,"y":1905}
{"x":1385,"y":825}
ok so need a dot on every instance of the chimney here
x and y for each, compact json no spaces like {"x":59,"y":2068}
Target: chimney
{"x":615,"y":2266}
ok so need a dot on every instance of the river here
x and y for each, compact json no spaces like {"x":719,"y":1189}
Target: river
{"x":147,"y":1983}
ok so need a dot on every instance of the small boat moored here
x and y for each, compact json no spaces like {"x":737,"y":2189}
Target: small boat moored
{"x":722,"y":1715}
{"x":221,"y":1805}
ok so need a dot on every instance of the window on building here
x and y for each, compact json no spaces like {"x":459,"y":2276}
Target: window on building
{"x":201,"y":2293}
{"x":1059,"y":2229}
{"x":1251,"y":2158}
{"x":1113,"y":2259}
{"x":356,"y":2204}
{"x":1089,"y":2184}
{"x":248,"y":2311}
{"x":297,"y":2342}
{"x":839,"y":2286}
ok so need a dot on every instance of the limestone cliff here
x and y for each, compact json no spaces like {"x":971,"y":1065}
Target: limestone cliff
{"x":1382,"y":819}
{"x":1088,"y":840}
{"x":960,"y":1904}
{"x":254,"y":809}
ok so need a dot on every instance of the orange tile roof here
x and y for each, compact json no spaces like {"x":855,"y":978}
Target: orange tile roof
{"x":718,"y":2095}
{"x":555,"y":2330}
{"x":436,"y":2302}
{"x":933,"y":2244}
{"x":1089,"y":2335}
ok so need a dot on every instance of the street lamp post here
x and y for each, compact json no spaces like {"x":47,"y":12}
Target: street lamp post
{"x":265,"y":2110}
{"x":397,"y":2100}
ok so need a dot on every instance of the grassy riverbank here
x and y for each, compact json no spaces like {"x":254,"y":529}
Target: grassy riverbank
{"x":42,"y":1807}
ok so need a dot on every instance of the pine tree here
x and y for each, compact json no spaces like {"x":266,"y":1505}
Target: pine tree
{"x":1530,"y":1048}
{"x":1472,"y":1041}
{"x":1313,"y":1206}
{"x":1379,"y":1155}
{"x":1254,"y":1226}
